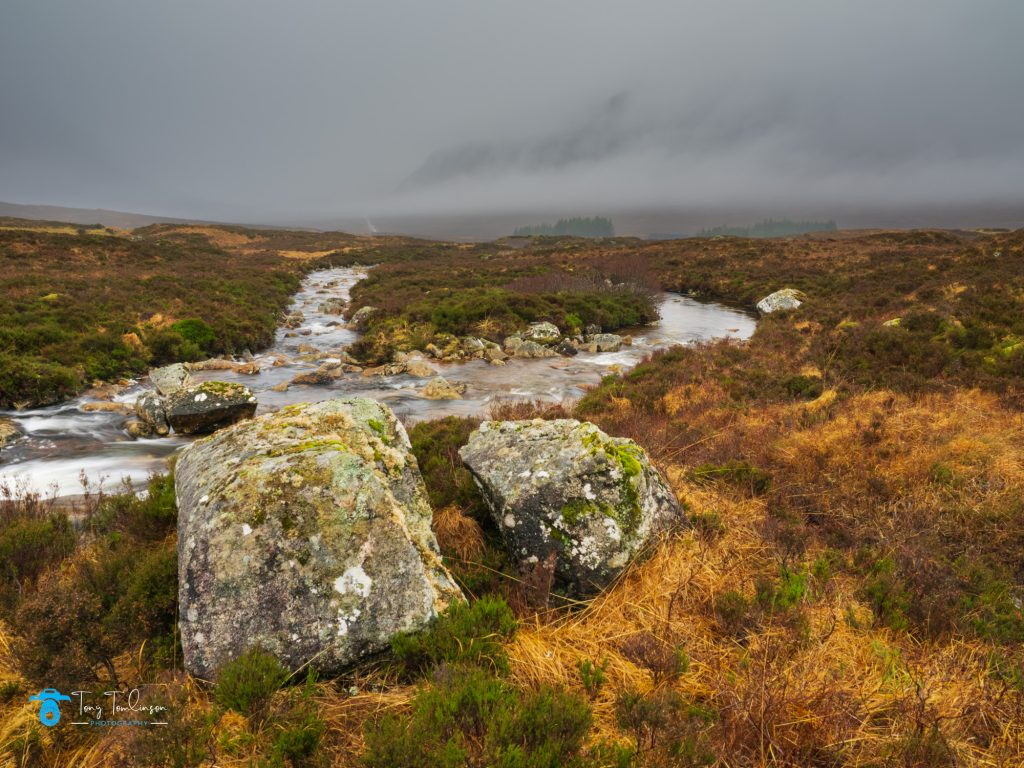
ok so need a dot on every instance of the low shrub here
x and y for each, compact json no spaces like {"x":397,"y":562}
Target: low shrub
{"x":469,"y":717}
{"x":244,"y":684}
{"x":467,"y":633}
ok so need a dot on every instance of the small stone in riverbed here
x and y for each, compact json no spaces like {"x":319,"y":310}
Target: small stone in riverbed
{"x":137,"y":428}
{"x":441,"y":389}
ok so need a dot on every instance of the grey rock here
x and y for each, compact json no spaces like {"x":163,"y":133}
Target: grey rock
{"x":542,"y":333}
{"x":334,"y":306}
{"x":209,"y":406}
{"x":565,"y":487}
{"x":360,"y":316}
{"x":325,"y":374}
{"x":566,"y":348}
{"x":170,"y":378}
{"x":152,"y":410}
{"x":532,"y":349}
{"x":441,"y":389}
{"x":592,"y":330}
{"x":781,"y":301}
{"x":306,"y":531}
{"x":604,"y":342}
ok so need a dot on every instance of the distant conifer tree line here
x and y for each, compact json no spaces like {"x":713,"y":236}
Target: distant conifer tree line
{"x":578,"y":226}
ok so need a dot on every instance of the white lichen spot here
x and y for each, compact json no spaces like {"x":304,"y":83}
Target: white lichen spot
{"x":200,"y":397}
{"x":613,"y":529}
{"x":204,"y":499}
{"x":354,"y":579}
{"x":509,"y":520}
{"x":246,"y":529}
{"x":525,"y":473}
{"x":588,"y":493}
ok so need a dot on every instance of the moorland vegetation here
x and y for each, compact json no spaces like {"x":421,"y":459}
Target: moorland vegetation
{"x":847,"y":590}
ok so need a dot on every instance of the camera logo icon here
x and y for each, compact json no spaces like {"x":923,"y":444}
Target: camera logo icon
{"x":49,"y":709}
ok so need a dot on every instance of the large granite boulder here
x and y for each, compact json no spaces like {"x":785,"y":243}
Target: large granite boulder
{"x":152,"y":410}
{"x":565,"y":487}
{"x":780,"y":301}
{"x":209,"y":406}
{"x":170,"y":378}
{"x":306,"y":531}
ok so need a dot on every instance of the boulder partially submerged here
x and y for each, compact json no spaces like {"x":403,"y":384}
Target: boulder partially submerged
{"x":567,"y":488}
{"x":9,"y":432}
{"x":780,"y":301}
{"x":152,"y":411}
{"x":308,"y":532}
{"x":209,"y":406}
{"x":440,"y":388}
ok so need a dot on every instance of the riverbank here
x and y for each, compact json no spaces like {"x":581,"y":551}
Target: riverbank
{"x":60,"y":442}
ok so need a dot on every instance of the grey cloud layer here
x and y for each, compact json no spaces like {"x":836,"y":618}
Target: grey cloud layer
{"x":279,"y":111}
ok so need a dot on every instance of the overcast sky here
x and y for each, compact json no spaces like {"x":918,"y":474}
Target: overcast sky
{"x":280,"y":111}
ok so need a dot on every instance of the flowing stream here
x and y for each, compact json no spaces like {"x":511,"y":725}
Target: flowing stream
{"x":63,"y":444}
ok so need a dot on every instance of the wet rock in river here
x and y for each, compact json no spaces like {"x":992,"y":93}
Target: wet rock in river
{"x":441,"y":389}
{"x":209,"y":406}
{"x":9,"y":432}
{"x":138,"y":429}
{"x":542,"y":333}
{"x":308,"y":532}
{"x":333,"y":306}
{"x":152,"y":410}
{"x":170,"y":378}
{"x":604,"y":342}
{"x":327,"y":373}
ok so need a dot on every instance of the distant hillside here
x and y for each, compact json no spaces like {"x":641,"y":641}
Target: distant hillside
{"x":87,"y":216}
{"x":579,"y":226}
{"x":772,"y":228}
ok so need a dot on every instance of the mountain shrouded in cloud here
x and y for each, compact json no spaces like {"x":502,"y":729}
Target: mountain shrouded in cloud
{"x":280,"y":112}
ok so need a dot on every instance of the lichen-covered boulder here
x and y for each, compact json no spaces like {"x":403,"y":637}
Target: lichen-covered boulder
{"x":152,"y":410}
{"x":527,"y":348}
{"x":307,"y":532}
{"x":209,"y":406}
{"x":360,"y":318}
{"x":565,"y":487}
{"x":542,"y":333}
{"x":170,"y":378}
{"x":785,"y":299}
{"x":604,"y":342}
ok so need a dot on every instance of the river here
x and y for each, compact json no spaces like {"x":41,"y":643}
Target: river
{"x":63,"y":444}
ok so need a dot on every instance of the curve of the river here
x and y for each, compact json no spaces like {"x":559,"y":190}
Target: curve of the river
{"x":63,"y":444}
